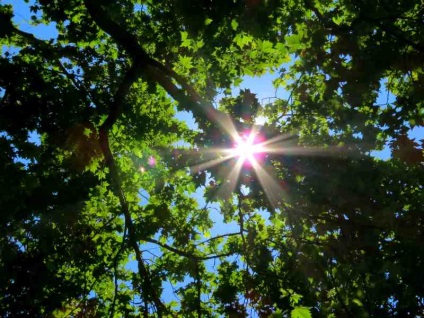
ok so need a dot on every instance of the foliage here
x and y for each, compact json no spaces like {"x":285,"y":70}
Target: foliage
{"x":114,"y":209}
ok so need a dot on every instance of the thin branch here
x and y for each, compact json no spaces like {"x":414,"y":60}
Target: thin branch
{"x":45,"y":46}
{"x":84,"y":299}
{"x":349,"y":314}
{"x":395,"y":34}
{"x":115,"y":273}
{"x":205,"y":258}
{"x":79,"y":86}
{"x":199,"y":290}
{"x":217,"y":237}
{"x":289,"y":101}
{"x":186,"y":254}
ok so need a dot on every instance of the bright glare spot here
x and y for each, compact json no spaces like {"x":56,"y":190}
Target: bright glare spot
{"x":260,"y":120}
{"x":151,"y":161}
{"x":247,"y":148}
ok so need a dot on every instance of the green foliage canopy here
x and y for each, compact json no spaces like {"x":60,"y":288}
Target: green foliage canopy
{"x":322,"y":228}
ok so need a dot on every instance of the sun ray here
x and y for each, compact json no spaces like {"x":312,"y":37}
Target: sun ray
{"x":232,"y":180}
{"x":227,"y":125}
{"x":249,"y":151}
{"x":278,"y":139}
{"x":210,"y":163}
{"x":272,"y":189}
{"x":306,"y":151}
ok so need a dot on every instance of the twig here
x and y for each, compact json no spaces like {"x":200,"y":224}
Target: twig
{"x":217,"y":237}
{"x":199,"y":290}
{"x":115,"y":270}
{"x":186,"y":254}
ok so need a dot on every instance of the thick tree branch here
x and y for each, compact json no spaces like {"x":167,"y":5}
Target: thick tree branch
{"x":125,"y":39}
{"x":130,"y":43}
{"x":142,"y":269}
{"x":155,"y":71}
{"x":116,"y":105}
{"x":132,"y":75}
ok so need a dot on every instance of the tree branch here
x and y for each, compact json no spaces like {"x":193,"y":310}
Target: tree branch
{"x":155,"y":71}
{"x":115,"y":108}
{"x":44,"y":46}
{"x":132,"y":75}
{"x":199,"y":290}
{"x":338,"y":29}
{"x":115,"y":270}
{"x":186,"y":254}
{"x":218,"y":237}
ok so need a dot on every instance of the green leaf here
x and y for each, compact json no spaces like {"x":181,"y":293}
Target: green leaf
{"x":186,"y":62}
{"x":293,"y":41}
{"x":234,"y":25}
{"x":184,"y":35}
{"x":295,"y":298}
{"x":267,"y":46}
{"x":301,"y":312}
{"x":242,"y":40}
{"x":185,"y":41}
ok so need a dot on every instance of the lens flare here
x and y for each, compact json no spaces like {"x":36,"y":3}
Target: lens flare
{"x":247,"y":148}
{"x":251,"y":152}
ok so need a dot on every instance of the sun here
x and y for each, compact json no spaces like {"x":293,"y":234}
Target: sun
{"x":249,"y":151}
{"x":247,"y":148}
{"x":252,"y":151}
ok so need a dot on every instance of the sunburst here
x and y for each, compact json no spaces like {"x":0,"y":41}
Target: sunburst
{"x":249,"y":151}
{"x":247,"y":148}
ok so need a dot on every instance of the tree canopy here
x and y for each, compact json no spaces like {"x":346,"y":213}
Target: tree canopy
{"x":112,"y":205}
